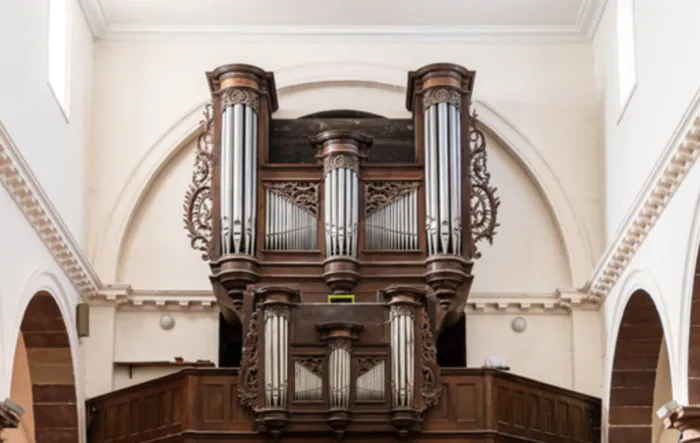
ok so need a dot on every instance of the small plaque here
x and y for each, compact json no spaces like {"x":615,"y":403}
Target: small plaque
{"x":342,"y":298}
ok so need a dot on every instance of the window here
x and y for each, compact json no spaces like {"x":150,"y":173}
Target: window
{"x":626,"y":57}
{"x":59,"y":51}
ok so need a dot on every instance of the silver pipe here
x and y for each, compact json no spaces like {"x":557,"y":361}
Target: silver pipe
{"x":350,"y":212}
{"x":410,"y":368}
{"x":334,"y":211}
{"x":432,"y":187}
{"x":342,"y":201}
{"x":238,"y":174}
{"x":249,"y":185}
{"x":254,"y":181}
{"x":455,"y":182}
{"x":458,"y":162}
{"x":225,"y":192}
{"x":327,"y":212}
{"x":444,"y":178}
{"x":285,"y":357}
{"x":268,"y":361}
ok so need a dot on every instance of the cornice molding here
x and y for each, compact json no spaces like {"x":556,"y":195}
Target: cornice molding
{"x":580,"y":31}
{"x":30,"y":197}
{"x":124,"y":297}
{"x":667,"y":175}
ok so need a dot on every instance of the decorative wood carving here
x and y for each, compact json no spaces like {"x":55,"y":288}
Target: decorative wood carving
{"x":381,"y":194}
{"x":243,"y":96}
{"x":484,"y":203}
{"x":431,"y":386}
{"x":248,"y":385}
{"x":441,"y":95}
{"x":313,"y":364}
{"x":365,"y":364}
{"x":198,"y":199}
{"x":302,"y":194}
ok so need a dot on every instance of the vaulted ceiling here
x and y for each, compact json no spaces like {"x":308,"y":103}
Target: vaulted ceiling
{"x":569,"y":20}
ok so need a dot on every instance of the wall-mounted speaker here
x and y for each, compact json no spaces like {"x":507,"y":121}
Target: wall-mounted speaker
{"x":82,"y":319}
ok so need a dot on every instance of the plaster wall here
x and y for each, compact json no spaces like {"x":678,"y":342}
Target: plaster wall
{"x":667,"y":82}
{"x":54,"y":147}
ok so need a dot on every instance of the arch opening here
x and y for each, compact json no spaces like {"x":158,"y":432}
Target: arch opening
{"x":641,"y":378}
{"x":694,"y":340}
{"x":43,"y":380}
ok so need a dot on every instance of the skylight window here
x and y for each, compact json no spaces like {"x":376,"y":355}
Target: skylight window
{"x":626,"y":52}
{"x":59,"y":51}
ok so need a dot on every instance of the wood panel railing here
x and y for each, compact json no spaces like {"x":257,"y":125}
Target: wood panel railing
{"x":476,"y":405}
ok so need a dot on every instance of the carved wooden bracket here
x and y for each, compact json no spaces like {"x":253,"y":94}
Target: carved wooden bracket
{"x":686,"y":419}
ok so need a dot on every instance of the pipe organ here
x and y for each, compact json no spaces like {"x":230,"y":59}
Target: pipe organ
{"x":288,"y":212}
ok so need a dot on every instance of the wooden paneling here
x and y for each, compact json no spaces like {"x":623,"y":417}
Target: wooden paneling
{"x":204,"y":403}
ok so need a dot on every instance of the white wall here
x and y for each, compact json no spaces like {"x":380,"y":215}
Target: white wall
{"x":54,"y":149}
{"x":667,"y":72}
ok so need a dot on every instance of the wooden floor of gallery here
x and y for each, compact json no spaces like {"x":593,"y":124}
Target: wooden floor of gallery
{"x":481,"y":405}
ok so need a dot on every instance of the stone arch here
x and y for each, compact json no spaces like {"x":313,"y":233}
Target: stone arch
{"x":575,"y":238}
{"x":45,"y":343}
{"x":634,"y":371}
{"x":693,"y":324}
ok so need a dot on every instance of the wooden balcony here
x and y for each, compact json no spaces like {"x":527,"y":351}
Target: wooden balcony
{"x":477,"y":405}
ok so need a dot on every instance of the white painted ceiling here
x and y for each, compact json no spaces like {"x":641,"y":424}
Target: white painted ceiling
{"x":525,"y":17}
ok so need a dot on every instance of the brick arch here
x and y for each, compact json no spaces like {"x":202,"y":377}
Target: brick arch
{"x":694,"y":340}
{"x":51,"y":371}
{"x":634,"y":371}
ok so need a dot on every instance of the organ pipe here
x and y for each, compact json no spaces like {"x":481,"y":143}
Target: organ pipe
{"x":443,"y":180}
{"x":276,"y":356}
{"x":402,"y":327}
{"x":291,"y":223}
{"x":391,"y":224}
{"x":238,"y":189}
{"x":339,"y":375}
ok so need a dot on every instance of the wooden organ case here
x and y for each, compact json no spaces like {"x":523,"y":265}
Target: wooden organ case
{"x":293,"y":214}
{"x":294,"y":220}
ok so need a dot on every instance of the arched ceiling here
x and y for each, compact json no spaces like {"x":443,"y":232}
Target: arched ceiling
{"x":344,"y":17}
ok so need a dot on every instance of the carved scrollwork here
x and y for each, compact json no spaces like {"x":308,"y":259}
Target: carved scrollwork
{"x":441,"y":95}
{"x":337,"y":161}
{"x":198,"y":199}
{"x":431,"y":387}
{"x":248,"y":385}
{"x":313,"y":364}
{"x":303,"y":195}
{"x":365,"y":364}
{"x":381,"y":194}
{"x":243,"y":96}
{"x":483,"y":201}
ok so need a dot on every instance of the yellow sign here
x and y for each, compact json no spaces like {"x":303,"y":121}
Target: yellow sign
{"x":341,"y":298}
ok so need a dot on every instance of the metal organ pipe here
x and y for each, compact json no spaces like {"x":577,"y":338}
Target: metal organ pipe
{"x":402,"y":328}
{"x":238,"y":193}
{"x":394,"y":224}
{"x":276,"y":356}
{"x":443,"y":171}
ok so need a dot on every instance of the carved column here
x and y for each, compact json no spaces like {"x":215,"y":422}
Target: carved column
{"x":440,"y":95}
{"x":274,"y":304}
{"x":243,"y":99}
{"x":340,"y":338}
{"x":686,"y":419}
{"x":341,"y":152}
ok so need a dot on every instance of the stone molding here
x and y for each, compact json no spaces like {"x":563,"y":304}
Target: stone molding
{"x":30,"y":197}
{"x":685,"y":419}
{"x":668,"y":174}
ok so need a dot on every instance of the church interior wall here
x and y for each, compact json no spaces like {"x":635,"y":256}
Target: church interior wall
{"x":55,"y":148}
{"x":635,"y":136}
{"x":27,"y":268}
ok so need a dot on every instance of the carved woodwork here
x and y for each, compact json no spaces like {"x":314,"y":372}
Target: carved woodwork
{"x":476,"y":406}
{"x":685,"y":419}
{"x":8,"y":419}
{"x":339,"y":202}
